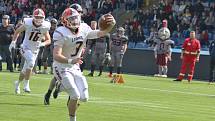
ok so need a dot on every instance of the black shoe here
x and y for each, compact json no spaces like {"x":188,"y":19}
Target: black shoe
{"x":57,"y":90}
{"x":178,"y":80}
{"x":11,"y":70}
{"x":100,"y":74}
{"x":90,"y":74}
{"x":46,"y":99}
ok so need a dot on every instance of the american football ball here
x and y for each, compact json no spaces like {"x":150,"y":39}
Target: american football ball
{"x":103,"y":22}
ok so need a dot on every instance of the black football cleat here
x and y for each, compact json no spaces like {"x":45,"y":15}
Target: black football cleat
{"x":46,"y":99}
{"x":90,"y":74}
{"x":100,"y":74}
{"x":57,"y":90}
{"x":177,"y":80}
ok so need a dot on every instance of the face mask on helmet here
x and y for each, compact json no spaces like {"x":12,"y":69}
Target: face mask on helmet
{"x":38,"y":16}
{"x":73,"y":22}
{"x":38,"y":20}
{"x":164,"y":33}
{"x":120,"y":31}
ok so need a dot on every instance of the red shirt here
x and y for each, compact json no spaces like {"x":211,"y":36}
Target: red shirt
{"x":190,"y":47}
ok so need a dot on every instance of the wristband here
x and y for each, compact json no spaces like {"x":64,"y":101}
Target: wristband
{"x":70,"y":61}
{"x":42,"y":44}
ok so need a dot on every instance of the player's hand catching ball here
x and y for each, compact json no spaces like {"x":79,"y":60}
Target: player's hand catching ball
{"x":106,"y":22}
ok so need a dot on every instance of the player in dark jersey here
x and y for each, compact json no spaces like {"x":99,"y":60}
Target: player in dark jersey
{"x":101,"y":50}
{"x":48,"y":50}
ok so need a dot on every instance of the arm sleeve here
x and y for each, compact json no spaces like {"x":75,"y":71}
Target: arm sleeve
{"x":93,"y":34}
{"x":58,"y":39}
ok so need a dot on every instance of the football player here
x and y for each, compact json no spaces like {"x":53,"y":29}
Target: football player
{"x":162,"y":50}
{"x":118,"y":48}
{"x":101,"y":49}
{"x":69,"y":40}
{"x":48,"y":50}
{"x":35,"y":29}
{"x":79,"y":9}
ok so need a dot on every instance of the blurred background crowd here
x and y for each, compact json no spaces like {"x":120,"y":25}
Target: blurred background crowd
{"x":140,"y":19}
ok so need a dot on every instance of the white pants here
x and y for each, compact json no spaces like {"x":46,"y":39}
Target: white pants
{"x":30,"y":59}
{"x":73,"y":82}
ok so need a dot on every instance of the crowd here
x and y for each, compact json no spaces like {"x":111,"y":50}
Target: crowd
{"x":16,"y":9}
{"x":182,"y":15}
{"x":92,"y":9}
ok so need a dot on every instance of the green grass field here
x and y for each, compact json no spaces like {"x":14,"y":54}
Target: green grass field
{"x":141,"y":98}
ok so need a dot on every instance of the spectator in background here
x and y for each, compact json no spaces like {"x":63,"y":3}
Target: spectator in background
{"x":139,"y":35}
{"x":131,"y":33}
{"x":194,"y":20}
{"x":177,"y":36}
{"x":6,"y":33}
{"x":212,"y":62}
{"x":14,"y":17}
{"x":168,"y":9}
{"x":210,"y":20}
{"x":204,"y":38}
{"x":171,"y":24}
{"x":107,"y":7}
{"x":182,"y":7}
{"x":153,"y":36}
{"x":199,"y":8}
{"x":202,"y":21}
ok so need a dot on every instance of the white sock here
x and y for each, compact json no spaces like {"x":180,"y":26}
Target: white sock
{"x":72,"y":118}
{"x":26,"y":83}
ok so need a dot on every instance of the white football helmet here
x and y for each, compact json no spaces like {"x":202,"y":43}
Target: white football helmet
{"x":71,"y":18}
{"x":120,"y":31}
{"x":164,"y":33}
{"x":38,"y":16}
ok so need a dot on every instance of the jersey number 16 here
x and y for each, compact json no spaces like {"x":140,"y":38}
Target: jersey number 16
{"x":34,"y":36}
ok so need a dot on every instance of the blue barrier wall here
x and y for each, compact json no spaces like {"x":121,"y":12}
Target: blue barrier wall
{"x":142,"y":62}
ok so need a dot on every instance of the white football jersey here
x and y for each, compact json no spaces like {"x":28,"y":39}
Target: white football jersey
{"x":72,"y":44}
{"x":33,"y":34}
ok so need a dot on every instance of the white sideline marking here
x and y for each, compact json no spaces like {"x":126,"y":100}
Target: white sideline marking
{"x":143,"y":88}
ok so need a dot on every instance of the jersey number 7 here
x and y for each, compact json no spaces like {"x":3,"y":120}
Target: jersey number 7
{"x":77,"y":49}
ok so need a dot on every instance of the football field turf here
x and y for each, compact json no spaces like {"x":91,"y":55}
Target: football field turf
{"x":141,"y":98}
